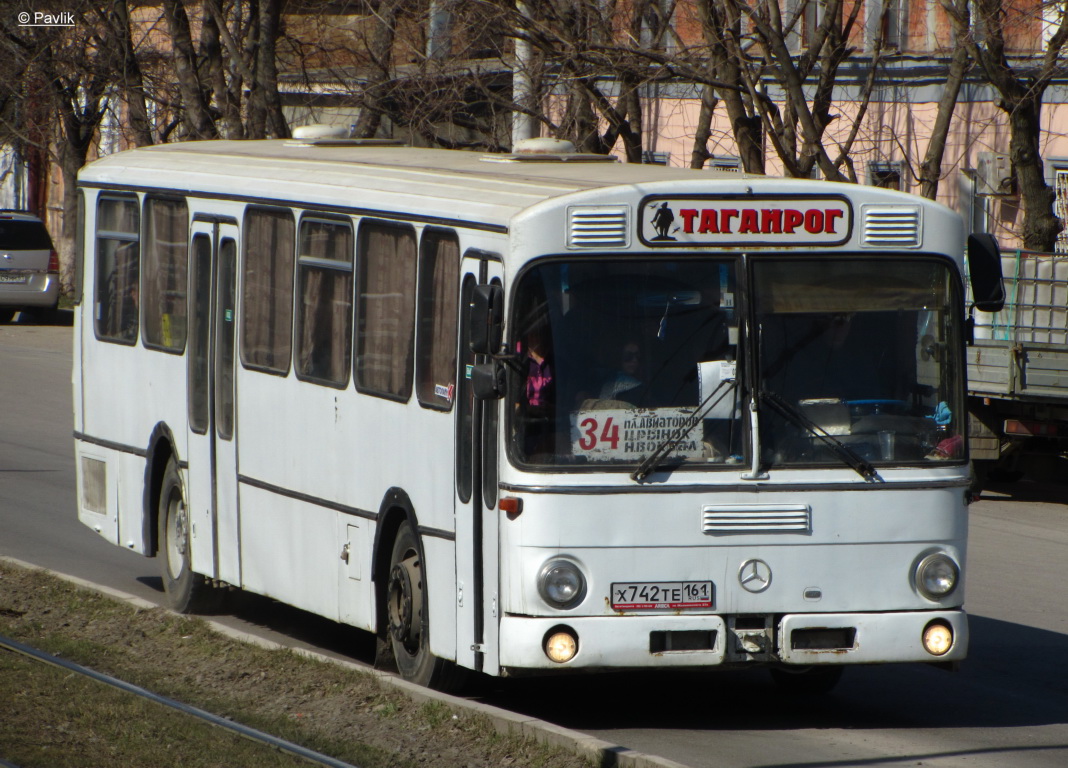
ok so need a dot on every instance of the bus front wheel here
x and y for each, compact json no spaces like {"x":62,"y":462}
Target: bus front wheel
{"x":409,"y":621}
{"x":186,"y":592}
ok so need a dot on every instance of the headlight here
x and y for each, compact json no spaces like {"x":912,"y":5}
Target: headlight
{"x":561,"y":583}
{"x":937,"y":576}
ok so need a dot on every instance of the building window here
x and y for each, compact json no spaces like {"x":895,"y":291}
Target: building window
{"x":324,"y":311}
{"x":439,"y":297}
{"x":166,"y":273}
{"x":267,"y":294}
{"x":887,"y":175}
{"x":118,"y":266}
{"x":385,"y":309}
{"x":887,"y":23}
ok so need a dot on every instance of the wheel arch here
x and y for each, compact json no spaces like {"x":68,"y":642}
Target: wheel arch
{"x":395,"y":509}
{"x":161,"y":448}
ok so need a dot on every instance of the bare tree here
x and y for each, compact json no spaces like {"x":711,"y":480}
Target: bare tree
{"x":930,"y":170}
{"x":55,"y":88}
{"x":380,"y":65}
{"x":1021,"y":86}
{"x":729,"y":62}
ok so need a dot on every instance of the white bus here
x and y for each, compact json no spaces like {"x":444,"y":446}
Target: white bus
{"x":531,"y":414}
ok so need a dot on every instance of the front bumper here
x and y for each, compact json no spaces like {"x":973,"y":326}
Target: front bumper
{"x":614,"y":642}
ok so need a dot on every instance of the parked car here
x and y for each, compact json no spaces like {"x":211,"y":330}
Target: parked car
{"x":29,"y":265}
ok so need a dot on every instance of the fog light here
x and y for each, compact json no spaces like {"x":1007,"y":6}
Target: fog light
{"x":561,"y":646}
{"x":937,"y":638}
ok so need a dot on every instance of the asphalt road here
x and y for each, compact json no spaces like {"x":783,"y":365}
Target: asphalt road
{"x":1006,"y":706}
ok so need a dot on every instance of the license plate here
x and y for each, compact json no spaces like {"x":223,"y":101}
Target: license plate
{"x":637,"y":596}
{"x":18,"y":279}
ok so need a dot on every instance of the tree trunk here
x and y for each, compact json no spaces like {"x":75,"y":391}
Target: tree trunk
{"x":931,"y":167}
{"x":133,"y":83}
{"x":380,"y":49}
{"x":700,"y":154}
{"x":1040,"y":225}
{"x":196,"y":117}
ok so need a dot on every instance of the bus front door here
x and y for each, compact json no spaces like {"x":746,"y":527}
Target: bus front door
{"x":476,"y":491}
{"x":212,"y":460}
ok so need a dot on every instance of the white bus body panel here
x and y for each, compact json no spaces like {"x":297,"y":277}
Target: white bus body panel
{"x":860,"y":543}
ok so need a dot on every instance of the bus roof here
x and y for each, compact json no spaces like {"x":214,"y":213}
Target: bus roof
{"x":490,"y":188}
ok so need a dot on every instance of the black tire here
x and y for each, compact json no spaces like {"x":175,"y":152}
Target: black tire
{"x":6,"y":315}
{"x":186,"y":591}
{"x":807,"y":681}
{"x":409,"y":621}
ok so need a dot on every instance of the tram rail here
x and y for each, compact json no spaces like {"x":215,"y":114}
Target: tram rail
{"x":252,"y":734}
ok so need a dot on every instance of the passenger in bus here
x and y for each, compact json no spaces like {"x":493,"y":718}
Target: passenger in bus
{"x":624,"y":383}
{"x":539,"y":372}
{"x":537,"y":406}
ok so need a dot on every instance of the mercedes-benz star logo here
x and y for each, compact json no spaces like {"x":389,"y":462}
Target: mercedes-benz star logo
{"x":754,"y":576}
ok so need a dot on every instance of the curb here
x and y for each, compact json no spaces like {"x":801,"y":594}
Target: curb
{"x":603,"y":754}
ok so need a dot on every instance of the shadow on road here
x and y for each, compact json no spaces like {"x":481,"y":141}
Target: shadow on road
{"x":1030,"y":491}
{"x":45,"y":317}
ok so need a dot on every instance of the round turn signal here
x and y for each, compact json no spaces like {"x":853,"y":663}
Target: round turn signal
{"x":937,"y":638}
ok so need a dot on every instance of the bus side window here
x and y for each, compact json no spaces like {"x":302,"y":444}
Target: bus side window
{"x":324,"y":309}
{"x":267,"y":295}
{"x":166,"y":274}
{"x":439,"y":291}
{"x":385,"y":310}
{"x":118,"y":268}
{"x":200,"y":334}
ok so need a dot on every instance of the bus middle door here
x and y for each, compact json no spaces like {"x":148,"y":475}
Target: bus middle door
{"x":212,"y":457}
{"x":477,"y":571}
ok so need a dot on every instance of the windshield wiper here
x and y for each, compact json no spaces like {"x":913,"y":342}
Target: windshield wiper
{"x":838,"y":448}
{"x":668,"y":444}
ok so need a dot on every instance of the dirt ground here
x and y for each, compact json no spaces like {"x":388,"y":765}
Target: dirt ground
{"x":346,"y":713}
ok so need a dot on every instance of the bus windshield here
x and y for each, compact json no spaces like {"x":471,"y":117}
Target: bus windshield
{"x":606,"y":364}
{"x":858,"y":361}
{"x":858,"y":356}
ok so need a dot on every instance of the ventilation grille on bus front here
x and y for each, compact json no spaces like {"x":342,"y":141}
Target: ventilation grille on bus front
{"x":598,"y":226}
{"x":891,"y":226}
{"x":717,"y":519}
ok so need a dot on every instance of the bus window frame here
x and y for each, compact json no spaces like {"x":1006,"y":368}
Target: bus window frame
{"x":120,"y":237}
{"x":427,"y":321}
{"x":309,"y":262}
{"x":198,"y":411}
{"x":246,"y":245}
{"x":367,"y":225}
{"x":146,"y":304}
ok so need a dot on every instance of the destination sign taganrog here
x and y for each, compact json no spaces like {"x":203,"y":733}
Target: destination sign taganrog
{"x":675,"y":221}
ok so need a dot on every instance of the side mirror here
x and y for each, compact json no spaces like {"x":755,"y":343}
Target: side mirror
{"x":487,"y":380}
{"x":984,"y":267}
{"x":487,"y":317}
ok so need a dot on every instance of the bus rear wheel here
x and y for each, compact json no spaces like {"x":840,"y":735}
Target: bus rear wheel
{"x":186,"y":591}
{"x":409,"y":620}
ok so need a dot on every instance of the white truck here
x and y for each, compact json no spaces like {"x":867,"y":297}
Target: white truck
{"x":1018,"y":372}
